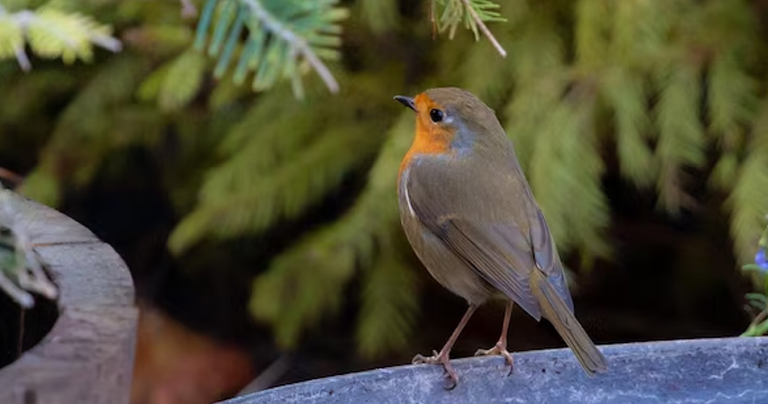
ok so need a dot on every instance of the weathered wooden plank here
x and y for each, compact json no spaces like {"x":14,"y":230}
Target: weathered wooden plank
{"x":72,"y":267}
{"x":88,"y":355}
{"x":47,"y":226}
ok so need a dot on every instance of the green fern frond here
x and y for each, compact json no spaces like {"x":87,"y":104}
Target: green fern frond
{"x":389,"y":305}
{"x":540,"y":78}
{"x":726,"y":171}
{"x":681,"y":137}
{"x":259,"y":143}
{"x":749,"y":204}
{"x":625,"y":93}
{"x":176,"y":83}
{"x":253,"y":205}
{"x":748,"y":200}
{"x":569,"y":192}
{"x":270,"y":108}
{"x":732,"y":99}
{"x":52,"y":33}
{"x":284,"y":38}
{"x":325,"y":260}
{"x":639,"y":33}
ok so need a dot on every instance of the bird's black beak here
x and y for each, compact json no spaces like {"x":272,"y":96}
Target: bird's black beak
{"x":407,"y":101}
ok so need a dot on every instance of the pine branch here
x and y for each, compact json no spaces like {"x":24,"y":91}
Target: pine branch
{"x":569,"y":192}
{"x":593,"y":18}
{"x":254,"y":205}
{"x":639,"y":34}
{"x":748,"y":201}
{"x":176,"y":83}
{"x":281,"y":34}
{"x":732,"y":99}
{"x":52,"y":33}
{"x":681,"y":137}
{"x":624,"y":91}
{"x":324,"y":261}
{"x":540,"y":78}
{"x":473,"y":13}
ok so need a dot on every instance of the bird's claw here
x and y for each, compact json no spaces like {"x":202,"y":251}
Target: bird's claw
{"x":498,"y":349}
{"x":419,"y":358}
{"x":452,"y":379}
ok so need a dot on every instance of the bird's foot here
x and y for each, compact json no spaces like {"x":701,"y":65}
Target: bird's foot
{"x":498,"y":349}
{"x":451,"y":378}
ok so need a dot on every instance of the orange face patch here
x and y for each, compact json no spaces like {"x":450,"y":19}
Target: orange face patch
{"x":430,"y":138}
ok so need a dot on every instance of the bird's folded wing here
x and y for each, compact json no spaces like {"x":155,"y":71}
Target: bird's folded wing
{"x":547,"y":259}
{"x":497,"y":230}
{"x":499,"y":253}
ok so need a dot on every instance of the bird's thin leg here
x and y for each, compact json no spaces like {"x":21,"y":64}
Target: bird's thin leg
{"x":501,"y":346}
{"x":443,"y":357}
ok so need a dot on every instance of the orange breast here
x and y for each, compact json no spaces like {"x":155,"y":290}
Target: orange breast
{"x":430,"y":138}
{"x":424,"y":144}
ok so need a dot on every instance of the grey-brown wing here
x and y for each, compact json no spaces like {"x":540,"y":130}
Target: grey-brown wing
{"x":472,"y":221}
{"x":491,"y":221}
{"x":499,"y":253}
{"x":546,"y":257}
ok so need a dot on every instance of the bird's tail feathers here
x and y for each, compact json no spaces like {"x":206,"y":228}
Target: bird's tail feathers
{"x":557,"y":312}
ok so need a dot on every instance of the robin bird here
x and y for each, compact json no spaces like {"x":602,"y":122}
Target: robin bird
{"x":471,"y":218}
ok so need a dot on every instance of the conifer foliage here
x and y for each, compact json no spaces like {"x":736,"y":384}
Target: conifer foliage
{"x":51,"y":31}
{"x":677,"y":88}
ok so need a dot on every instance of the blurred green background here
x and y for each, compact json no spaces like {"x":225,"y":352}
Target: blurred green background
{"x":263,"y":214}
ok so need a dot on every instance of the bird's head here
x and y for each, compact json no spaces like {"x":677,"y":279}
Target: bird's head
{"x":450,"y":119}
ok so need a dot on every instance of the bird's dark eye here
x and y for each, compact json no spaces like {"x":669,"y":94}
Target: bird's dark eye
{"x":436,"y":115}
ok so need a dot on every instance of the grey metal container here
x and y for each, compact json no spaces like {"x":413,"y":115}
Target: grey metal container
{"x":712,"y":371}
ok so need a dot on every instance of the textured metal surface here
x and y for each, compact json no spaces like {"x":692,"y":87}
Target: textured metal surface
{"x":87,"y":357}
{"x":712,"y":371}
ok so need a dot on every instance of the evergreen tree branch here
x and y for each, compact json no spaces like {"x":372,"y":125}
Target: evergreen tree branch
{"x":299,"y":45}
{"x":324,"y":261}
{"x":483,"y":28}
{"x":52,"y":33}
{"x":473,"y":13}
{"x":681,"y":136}
{"x":281,"y":35}
{"x":570,"y":192}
